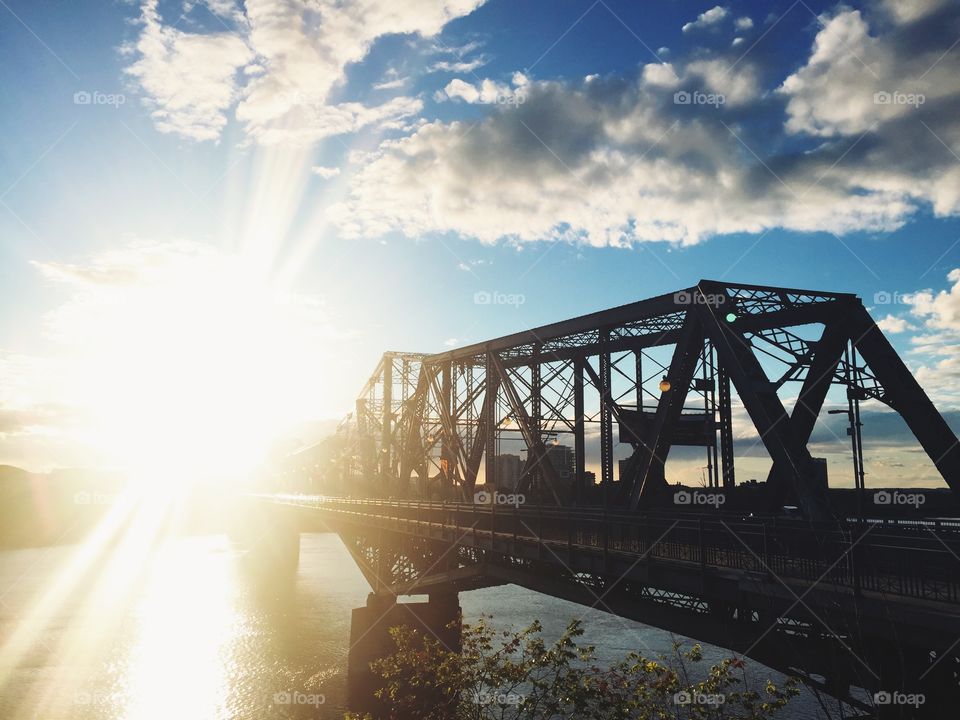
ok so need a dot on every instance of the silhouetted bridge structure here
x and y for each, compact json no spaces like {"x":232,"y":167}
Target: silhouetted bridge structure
{"x":827,"y":584}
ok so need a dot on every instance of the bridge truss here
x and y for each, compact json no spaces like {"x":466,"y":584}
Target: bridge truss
{"x":665,"y":372}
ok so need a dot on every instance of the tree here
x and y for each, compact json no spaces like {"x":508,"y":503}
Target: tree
{"x":517,"y":676}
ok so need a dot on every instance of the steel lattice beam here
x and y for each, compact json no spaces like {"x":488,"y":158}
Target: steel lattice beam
{"x":446,"y":416}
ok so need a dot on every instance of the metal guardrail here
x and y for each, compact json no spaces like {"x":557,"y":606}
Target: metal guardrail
{"x":909,"y":559}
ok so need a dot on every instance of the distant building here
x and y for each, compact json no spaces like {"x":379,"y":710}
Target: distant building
{"x":563,"y":460}
{"x":508,"y":469}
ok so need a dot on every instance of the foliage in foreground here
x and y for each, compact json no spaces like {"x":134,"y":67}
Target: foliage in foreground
{"x":516,"y":676}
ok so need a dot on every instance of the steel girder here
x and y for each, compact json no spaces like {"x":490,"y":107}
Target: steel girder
{"x":823,"y":362}
{"x":650,"y":460}
{"x":903,"y":393}
{"x":446,"y":416}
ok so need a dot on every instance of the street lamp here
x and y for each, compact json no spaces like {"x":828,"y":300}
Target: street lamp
{"x":856,"y":440}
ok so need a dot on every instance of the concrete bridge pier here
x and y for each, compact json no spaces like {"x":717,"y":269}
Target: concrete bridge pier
{"x":370,"y":640}
{"x":913,"y":685}
{"x":838,"y":677}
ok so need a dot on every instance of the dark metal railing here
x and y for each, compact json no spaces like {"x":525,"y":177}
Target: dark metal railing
{"x":918,"y":559}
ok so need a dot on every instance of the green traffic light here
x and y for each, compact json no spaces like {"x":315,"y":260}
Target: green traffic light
{"x":731,"y":316}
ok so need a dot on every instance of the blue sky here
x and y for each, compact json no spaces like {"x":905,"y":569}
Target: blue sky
{"x":369,"y":167}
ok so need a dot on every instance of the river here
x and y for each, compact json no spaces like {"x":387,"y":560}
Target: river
{"x":176,"y":632}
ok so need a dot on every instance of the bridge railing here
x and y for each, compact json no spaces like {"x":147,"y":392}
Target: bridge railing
{"x":913,"y":560}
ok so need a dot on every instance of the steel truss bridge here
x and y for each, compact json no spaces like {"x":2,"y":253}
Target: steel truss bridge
{"x":842,"y":592}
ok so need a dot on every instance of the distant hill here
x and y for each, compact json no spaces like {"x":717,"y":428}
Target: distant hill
{"x":9,"y":472}
{"x":43,"y":509}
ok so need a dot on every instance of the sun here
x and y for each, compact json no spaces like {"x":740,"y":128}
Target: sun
{"x":189,"y":366}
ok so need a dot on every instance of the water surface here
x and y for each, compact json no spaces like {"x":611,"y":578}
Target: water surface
{"x":180,"y":632}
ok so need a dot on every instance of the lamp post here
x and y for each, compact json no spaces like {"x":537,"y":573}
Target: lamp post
{"x":856,"y":436}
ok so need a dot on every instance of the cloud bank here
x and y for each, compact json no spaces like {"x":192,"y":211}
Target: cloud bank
{"x":682,"y":152}
{"x":861,"y":136}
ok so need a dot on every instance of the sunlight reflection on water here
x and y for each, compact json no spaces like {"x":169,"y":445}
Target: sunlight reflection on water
{"x":188,"y":624}
{"x":182,"y":634}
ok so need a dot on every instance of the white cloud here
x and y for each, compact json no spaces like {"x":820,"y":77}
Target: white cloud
{"x":190,"y":79}
{"x":325,"y":172}
{"x":486,"y":91}
{"x":661,"y":74}
{"x":906,"y":11}
{"x":300,"y":50}
{"x":893,"y":324}
{"x":737,"y":87}
{"x":613,"y":160}
{"x":469,"y":265}
{"x":305,"y":50}
{"x":743,"y":23}
{"x":707,"y":19}
{"x":601,"y":162}
{"x":941,"y":311}
{"x":460,"y":89}
{"x":224,"y":9}
{"x":707,"y":76}
{"x":458,"y":66}
{"x":936,"y":344}
{"x":836,"y":92}
{"x":737,"y":41}
{"x":29,"y":404}
{"x":391,"y":84}
{"x":895,"y":93}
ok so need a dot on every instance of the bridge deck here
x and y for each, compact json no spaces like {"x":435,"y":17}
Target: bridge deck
{"x":905,"y":565}
{"x":860,"y":604}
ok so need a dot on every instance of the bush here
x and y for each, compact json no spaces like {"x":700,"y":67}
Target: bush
{"x":516,"y":675}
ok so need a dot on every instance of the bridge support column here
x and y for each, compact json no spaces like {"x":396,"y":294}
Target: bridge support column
{"x":837,"y":672}
{"x":370,"y":639}
{"x":911,"y":687}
